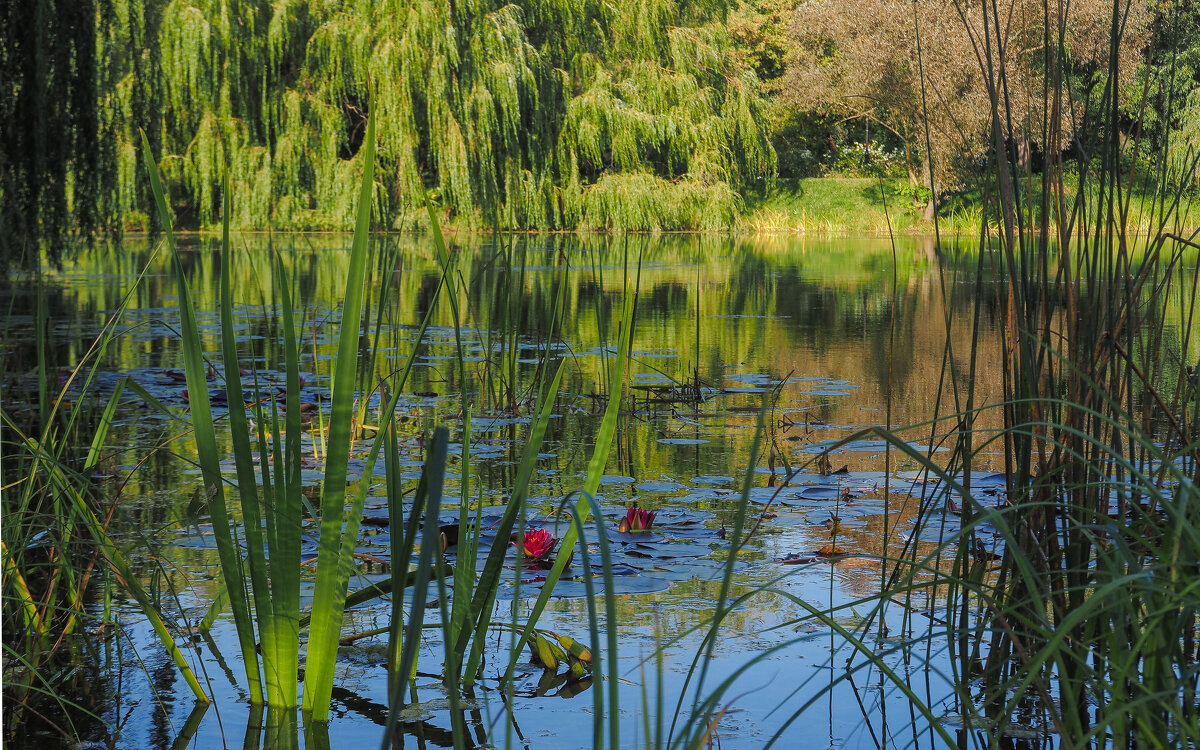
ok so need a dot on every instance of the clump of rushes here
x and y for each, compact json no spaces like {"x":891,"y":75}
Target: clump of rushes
{"x":637,"y":519}
{"x":536,"y":546}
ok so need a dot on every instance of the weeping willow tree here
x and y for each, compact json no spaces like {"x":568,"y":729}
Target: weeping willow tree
{"x":540,"y":114}
{"x":51,"y":162}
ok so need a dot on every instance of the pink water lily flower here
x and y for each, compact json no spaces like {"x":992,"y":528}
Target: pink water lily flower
{"x":536,"y":545}
{"x":637,"y":519}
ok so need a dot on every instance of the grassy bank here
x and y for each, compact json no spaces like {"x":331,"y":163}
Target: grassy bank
{"x":835,"y":205}
{"x":831,"y":206}
{"x":854,"y":205}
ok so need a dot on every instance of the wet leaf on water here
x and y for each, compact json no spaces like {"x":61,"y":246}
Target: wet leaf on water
{"x":633,"y":538}
{"x":687,"y":569}
{"x":617,"y":569}
{"x":826,"y":492}
{"x":674,"y":550}
{"x":639,"y":584}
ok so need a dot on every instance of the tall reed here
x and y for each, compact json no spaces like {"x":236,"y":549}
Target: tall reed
{"x":263,"y":582}
{"x":1090,"y":621}
{"x":56,"y":541}
{"x":264,"y":586}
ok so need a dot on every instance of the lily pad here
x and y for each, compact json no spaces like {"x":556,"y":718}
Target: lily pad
{"x":660,"y":486}
{"x":616,"y":479}
{"x":713,"y":479}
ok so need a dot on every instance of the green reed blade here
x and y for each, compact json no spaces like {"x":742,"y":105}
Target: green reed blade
{"x":214,"y":610}
{"x":401,"y":537}
{"x":12,"y":574}
{"x":334,"y":554}
{"x":128,"y":579}
{"x":493,"y":567}
{"x":106,"y":420}
{"x":610,"y":619}
{"x":596,"y":466}
{"x":354,"y":516}
{"x":153,"y":402}
{"x":288,"y":512}
{"x":206,"y":444}
{"x":447,"y":264}
{"x":244,"y":462}
{"x":464,"y":577}
{"x":434,"y":474}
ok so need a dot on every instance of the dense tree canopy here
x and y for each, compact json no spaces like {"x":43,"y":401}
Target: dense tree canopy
{"x":907,"y":65}
{"x":539,"y":114}
{"x":49,"y":149}
{"x":536,"y":114}
{"x":1171,"y":82}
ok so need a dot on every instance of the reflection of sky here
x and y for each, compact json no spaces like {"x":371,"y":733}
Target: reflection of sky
{"x":814,"y":329}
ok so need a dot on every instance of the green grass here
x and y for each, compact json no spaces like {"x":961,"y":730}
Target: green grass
{"x":866,"y":205}
{"x":835,"y":205}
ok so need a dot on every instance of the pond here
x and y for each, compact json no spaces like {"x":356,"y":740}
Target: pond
{"x":822,"y":337}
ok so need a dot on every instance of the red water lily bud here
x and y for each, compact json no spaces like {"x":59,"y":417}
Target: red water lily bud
{"x":637,"y":519}
{"x":537,"y":545}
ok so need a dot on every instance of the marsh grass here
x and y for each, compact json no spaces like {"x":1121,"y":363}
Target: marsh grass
{"x":1087,"y":625}
{"x":1069,"y":610}
{"x":59,"y":503}
{"x":258,"y":540}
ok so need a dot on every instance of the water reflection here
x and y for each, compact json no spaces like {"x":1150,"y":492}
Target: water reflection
{"x":837,"y":335}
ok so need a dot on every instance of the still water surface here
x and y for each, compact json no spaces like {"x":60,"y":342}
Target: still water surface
{"x":834,"y":335}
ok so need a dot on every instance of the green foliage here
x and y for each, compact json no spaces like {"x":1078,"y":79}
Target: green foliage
{"x":760,"y":32}
{"x":1170,"y":80}
{"x":56,"y":547}
{"x":643,"y":201}
{"x":510,"y":113}
{"x":51,"y":152}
